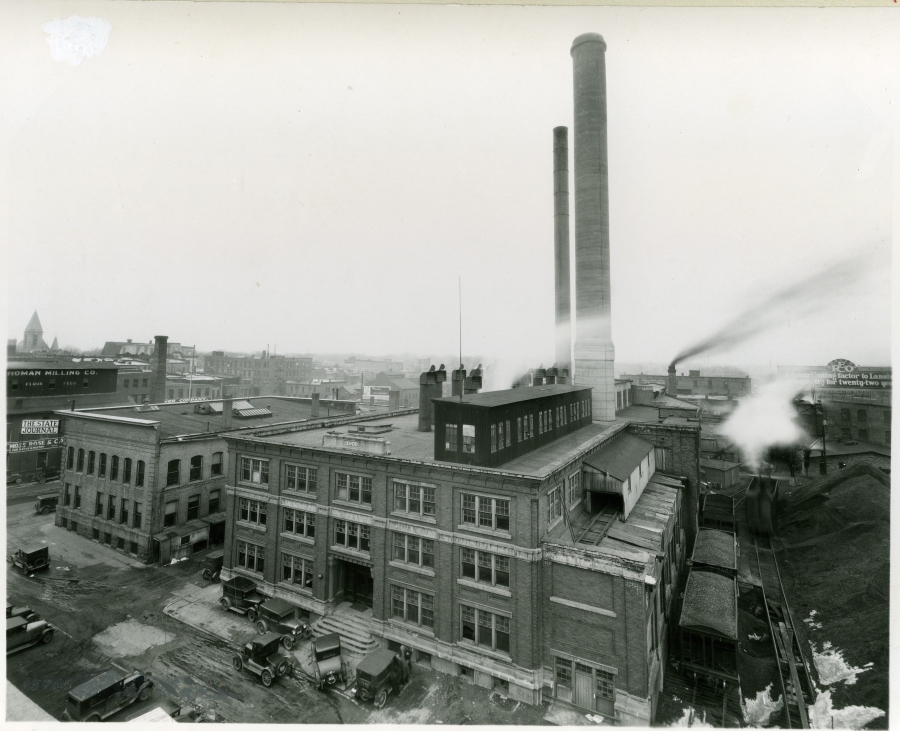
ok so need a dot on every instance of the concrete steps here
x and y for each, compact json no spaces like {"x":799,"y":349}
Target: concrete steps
{"x":353,"y":629}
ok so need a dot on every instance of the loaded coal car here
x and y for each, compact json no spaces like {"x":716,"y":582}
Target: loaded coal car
{"x":708,"y":627}
{"x":715,"y":550}
{"x":717,"y":511}
{"x":760,"y":505}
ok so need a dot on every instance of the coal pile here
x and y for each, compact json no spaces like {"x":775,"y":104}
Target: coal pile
{"x":833,"y":536}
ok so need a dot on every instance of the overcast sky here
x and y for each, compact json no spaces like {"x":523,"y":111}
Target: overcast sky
{"x":318,"y":177}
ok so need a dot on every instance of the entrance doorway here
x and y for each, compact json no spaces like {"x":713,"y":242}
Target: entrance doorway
{"x":358,"y":584}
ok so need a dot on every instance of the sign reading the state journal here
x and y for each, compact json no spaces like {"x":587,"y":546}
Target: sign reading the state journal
{"x":40,"y":426}
{"x":32,"y":445}
{"x":838,"y":374}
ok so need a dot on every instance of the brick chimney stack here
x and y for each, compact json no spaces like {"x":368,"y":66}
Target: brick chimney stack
{"x":161,"y":355}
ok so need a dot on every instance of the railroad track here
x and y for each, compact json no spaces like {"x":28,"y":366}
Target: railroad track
{"x":718,"y":705}
{"x":797,"y":688}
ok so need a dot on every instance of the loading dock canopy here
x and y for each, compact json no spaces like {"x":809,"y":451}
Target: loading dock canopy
{"x":182,"y":530}
{"x":621,"y":456}
{"x":715,"y":548}
{"x":710,"y":604}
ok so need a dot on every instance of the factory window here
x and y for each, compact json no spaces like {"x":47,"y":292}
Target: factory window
{"x":91,"y":459}
{"x":252,"y":511}
{"x":137,"y":516}
{"x":352,"y":535}
{"x":412,"y":606}
{"x":485,"y":512}
{"x":77,"y":497}
{"x":864,"y":435}
{"x":80,"y":465}
{"x":114,"y":468}
{"x":255,"y":470}
{"x":126,"y":471}
{"x":845,"y":433}
{"x":415,"y":499}
{"x":861,"y":416}
{"x":214,"y":501}
{"x":554,"y":505}
{"x":564,"y":679}
{"x":468,"y":439}
{"x":508,"y":435}
{"x":414,"y":550}
{"x":67,"y":497}
{"x":133,"y":548}
{"x":173,"y":472}
{"x":250,"y":556}
{"x":354,"y":488}
{"x":493,"y":438}
{"x":296,"y":570}
{"x":302,"y":479}
{"x":111,"y":508}
{"x":139,"y":476}
{"x":171,"y":514}
{"x":196,"y":472}
{"x":541,"y":422}
{"x":215,"y":467}
{"x":500,"y":435}
{"x":574,"y":486}
{"x":520,"y":435}
{"x":488,"y":568}
{"x":484,"y":628}
{"x":98,"y":508}
{"x":101,"y":468}
{"x":300,"y":523}
{"x":845,"y":416}
{"x":171,"y":394}
{"x":123,"y":511}
{"x":70,"y":458}
{"x":180,"y":392}
{"x":143,"y":383}
{"x":193,"y":510}
{"x":95,"y":534}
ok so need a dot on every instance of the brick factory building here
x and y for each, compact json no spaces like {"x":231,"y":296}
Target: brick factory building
{"x":694,"y":383}
{"x":148,"y":480}
{"x":268,"y":374}
{"x":491,"y":572}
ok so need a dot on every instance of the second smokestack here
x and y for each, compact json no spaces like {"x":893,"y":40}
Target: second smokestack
{"x":561,"y":246}
{"x":161,"y":355}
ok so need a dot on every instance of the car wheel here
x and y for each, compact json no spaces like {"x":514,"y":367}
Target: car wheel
{"x":93,"y":718}
{"x":145,"y":692}
{"x":46,"y":637}
{"x":44,"y":511}
{"x":17,"y":480}
{"x":252,"y":614}
{"x":237,"y":663}
{"x":284,"y":668}
{"x":266,"y":678}
{"x":226,"y":603}
{"x":42,"y":479}
{"x":216,"y":577}
{"x":288,"y":642}
{"x":381,"y":699}
{"x":207,"y":574}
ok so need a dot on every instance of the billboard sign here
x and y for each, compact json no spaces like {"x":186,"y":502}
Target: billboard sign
{"x":838,"y":373}
{"x":33,"y":445}
{"x":40,"y":426}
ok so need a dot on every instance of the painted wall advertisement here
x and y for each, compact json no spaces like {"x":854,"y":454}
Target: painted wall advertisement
{"x":34,"y":445}
{"x":838,"y":374}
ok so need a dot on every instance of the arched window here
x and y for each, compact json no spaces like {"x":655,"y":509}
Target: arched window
{"x":173,"y":472}
{"x":126,"y":472}
{"x":196,"y":467}
{"x":80,"y":466}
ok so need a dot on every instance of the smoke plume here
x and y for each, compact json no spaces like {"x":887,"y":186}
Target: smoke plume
{"x":814,"y":294}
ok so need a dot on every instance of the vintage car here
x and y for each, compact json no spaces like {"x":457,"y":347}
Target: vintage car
{"x":164,"y":710}
{"x":262,"y":656}
{"x":25,"y":612}
{"x":382,"y":672}
{"x":22,"y":633}
{"x":277,"y":615}
{"x":328,"y":660}
{"x":212,"y":566}
{"x":239,"y":594}
{"x":31,"y":558}
{"x":46,"y":504}
{"x":102,"y":696}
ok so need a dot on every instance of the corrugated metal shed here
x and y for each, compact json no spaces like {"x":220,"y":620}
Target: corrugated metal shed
{"x":710,"y":604}
{"x":621,"y":456}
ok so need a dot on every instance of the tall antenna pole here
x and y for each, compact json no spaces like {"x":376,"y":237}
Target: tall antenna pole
{"x":462,"y":386}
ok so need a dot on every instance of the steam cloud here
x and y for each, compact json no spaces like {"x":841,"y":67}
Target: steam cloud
{"x":815,"y":293}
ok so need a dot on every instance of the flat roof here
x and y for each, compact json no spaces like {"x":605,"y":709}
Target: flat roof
{"x":710,"y":604}
{"x":513,"y":395}
{"x":715,"y":548}
{"x":59,"y":363}
{"x":179,"y":419}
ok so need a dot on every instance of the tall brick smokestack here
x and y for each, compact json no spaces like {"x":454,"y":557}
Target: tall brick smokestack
{"x":594,"y":352}
{"x":672,"y":382}
{"x":561,"y":246}
{"x":161,"y":354}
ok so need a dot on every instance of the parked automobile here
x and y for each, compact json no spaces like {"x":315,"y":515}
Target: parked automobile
{"x":329,"y":660}
{"x":212,"y":565}
{"x":104,"y":695}
{"x":164,"y":710}
{"x":13,"y":478}
{"x":262,"y":656}
{"x":46,"y":503}
{"x":239,"y":594}
{"x":48,"y":475}
{"x":24,"y":612}
{"x":31,"y":558}
{"x":277,"y":615}
{"x":22,"y":633}
{"x":382,"y":672}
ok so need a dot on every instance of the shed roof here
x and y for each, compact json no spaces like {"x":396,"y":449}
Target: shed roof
{"x":513,"y":395}
{"x":621,"y":456}
{"x":715,"y":548}
{"x":718,"y":464}
{"x":710,"y":604}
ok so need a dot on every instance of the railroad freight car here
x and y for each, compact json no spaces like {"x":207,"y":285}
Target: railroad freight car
{"x":708,"y":627}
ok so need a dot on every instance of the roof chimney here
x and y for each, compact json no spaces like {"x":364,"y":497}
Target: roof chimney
{"x":159,"y":379}
{"x":472,"y":384}
{"x":227,"y":412}
{"x":393,"y":399}
{"x":314,"y":406}
{"x":430,"y":387}
{"x":458,"y":380}
{"x":561,"y":245}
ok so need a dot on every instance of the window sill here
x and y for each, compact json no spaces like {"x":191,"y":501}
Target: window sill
{"x":410,"y":627}
{"x":351,"y":504}
{"x":485,"y":531}
{"x":291,"y":586}
{"x":288,"y":492}
{"x":251,"y":526}
{"x":425,"y":571}
{"x":496,"y":654}
{"x":298,"y":537}
{"x":256,"y":485}
{"x":252,"y":573}
{"x":339,"y":549}
{"x":499,"y":590}
{"x":414,"y":516}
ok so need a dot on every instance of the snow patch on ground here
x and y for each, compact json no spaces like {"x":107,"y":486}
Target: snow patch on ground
{"x":754,"y":636}
{"x":757,"y":711}
{"x":824,"y":715}
{"x":131,"y":638}
{"x":832,"y":667}
{"x":419,"y":716}
{"x":690,"y":719}
{"x":563,"y":716}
